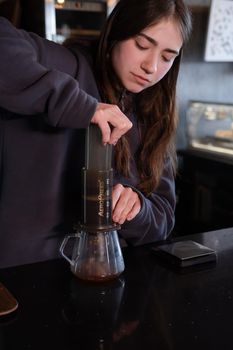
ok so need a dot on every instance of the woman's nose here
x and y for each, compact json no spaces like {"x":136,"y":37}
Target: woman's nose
{"x":150,"y":65}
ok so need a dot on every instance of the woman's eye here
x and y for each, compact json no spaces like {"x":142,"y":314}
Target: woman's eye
{"x":140,"y":46}
{"x":141,"y":43}
{"x":167,"y":59}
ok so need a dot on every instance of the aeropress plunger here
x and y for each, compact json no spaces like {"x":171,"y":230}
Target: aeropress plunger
{"x":97,"y":253}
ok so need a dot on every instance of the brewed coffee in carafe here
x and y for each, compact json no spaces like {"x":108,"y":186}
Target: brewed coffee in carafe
{"x":97,"y":254}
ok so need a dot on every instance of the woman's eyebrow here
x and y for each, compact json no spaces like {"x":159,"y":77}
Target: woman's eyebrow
{"x":155,"y":43}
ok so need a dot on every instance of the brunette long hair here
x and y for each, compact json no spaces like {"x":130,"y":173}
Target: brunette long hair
{"x":155,"y":106}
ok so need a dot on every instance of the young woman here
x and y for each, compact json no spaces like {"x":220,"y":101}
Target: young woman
{"x":50,"y":94}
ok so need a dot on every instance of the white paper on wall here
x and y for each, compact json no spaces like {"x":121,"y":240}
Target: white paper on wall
{"x":219,"y":43}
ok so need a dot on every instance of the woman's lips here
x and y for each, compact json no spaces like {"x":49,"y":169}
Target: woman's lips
{"x":141,"y":80}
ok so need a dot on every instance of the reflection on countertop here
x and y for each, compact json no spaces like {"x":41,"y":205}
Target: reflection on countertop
{"x":150,"y":306}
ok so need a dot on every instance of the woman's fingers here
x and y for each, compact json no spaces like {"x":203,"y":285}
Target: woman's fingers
{"x":125,"y":204}
{"x":111,"y":121}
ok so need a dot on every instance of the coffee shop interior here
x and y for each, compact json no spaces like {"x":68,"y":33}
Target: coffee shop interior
{"x":204,"y":137}
{"x":204,"y":192}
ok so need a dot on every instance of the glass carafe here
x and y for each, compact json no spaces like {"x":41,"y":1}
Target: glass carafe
{"x":96,"y":256}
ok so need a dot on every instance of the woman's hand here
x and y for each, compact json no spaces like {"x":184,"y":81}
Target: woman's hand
{"x":111,"y":121}
{"x":125,"y":204}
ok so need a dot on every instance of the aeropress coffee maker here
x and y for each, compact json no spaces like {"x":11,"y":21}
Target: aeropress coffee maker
{"x":96,"y":254}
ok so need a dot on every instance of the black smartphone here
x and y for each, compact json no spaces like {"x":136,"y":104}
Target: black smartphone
{"x":184,"y":253}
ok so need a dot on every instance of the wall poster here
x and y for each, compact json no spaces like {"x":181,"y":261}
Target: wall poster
{"x":219,"y":42}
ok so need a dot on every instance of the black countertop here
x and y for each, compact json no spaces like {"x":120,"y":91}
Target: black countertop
{"x":149,"y":307}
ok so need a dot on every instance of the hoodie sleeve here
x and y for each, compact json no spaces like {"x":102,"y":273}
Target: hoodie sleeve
{"x":38,"y":76}
{"x":155,"y":220}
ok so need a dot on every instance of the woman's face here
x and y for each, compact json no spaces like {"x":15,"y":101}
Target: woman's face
{"x":143,"y":60}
